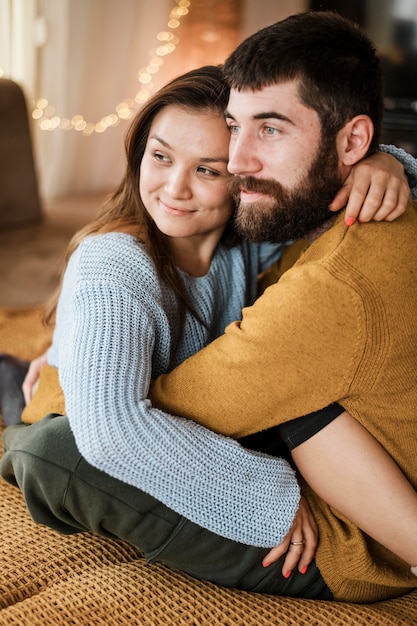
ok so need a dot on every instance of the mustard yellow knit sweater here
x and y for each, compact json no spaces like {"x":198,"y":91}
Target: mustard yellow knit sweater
{"x":340,"y":326}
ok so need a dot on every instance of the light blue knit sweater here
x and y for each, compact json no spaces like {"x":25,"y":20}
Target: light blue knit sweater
{"x":117,"y":328}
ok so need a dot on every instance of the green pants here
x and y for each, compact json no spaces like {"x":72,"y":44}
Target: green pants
{"x":64,"y":492}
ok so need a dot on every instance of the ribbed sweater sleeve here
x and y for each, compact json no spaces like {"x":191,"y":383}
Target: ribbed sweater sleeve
{"x":114,"y":313}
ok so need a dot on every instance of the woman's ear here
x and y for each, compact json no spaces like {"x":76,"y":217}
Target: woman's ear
{"x":354,"y":139}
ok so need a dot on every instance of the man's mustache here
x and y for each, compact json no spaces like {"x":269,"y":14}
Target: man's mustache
{"x":249,"y":183}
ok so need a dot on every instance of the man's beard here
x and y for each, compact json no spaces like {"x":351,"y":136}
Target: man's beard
{"x":291,"y":213}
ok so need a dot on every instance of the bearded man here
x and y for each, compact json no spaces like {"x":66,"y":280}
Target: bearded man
{"x":339,"y":328}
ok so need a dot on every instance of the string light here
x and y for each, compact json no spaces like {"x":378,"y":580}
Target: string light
{"x":47,"y":119}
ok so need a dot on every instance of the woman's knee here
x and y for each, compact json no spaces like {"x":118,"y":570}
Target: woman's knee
{"x":49,"y":441}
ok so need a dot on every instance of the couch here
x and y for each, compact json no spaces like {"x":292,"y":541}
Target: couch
{"x":19,"y":198}
{"x":47,"y":579}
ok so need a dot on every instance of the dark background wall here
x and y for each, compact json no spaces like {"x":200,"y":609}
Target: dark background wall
{"x":392,"y":25}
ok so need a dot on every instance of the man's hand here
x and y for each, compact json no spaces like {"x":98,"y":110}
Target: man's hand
{"x":31,"y":380}
{"x":300,"y":543}
{"x":376,"y":189}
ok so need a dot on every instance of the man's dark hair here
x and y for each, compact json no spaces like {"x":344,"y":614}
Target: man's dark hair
{"x":334,"y":61}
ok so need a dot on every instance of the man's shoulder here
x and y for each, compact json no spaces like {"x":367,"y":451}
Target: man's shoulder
{"x":362,"y":242}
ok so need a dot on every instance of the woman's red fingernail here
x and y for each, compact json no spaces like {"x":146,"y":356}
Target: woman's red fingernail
{"x":305,"y":568}
{"x":349,"y":221}
{"x":266,"y":564}
{"x":288,"y":574}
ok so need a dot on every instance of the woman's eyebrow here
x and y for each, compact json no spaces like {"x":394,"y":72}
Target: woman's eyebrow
{"x":219,"y":159}
{"x":161,"y":141}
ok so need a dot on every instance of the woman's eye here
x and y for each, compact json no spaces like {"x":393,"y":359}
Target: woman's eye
{"x":160,"y":157}
{"x":207,"y":172}
{"x":234,"y":129}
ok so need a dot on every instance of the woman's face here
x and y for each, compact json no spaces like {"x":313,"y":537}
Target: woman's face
{"x":183,"y":174}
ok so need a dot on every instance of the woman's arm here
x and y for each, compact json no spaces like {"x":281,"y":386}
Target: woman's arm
{"x":352,"y":472}
{"x":378,"y":188}
{"x":31,"y":380}
{"x":111,"y":328}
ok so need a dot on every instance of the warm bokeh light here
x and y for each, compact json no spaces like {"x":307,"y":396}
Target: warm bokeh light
{"x":45,"y":114}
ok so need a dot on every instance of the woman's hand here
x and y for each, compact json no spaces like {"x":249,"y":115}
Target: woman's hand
{"x":31,"y":380}
{"x":376,"y":189}
{"x":300,"y":543}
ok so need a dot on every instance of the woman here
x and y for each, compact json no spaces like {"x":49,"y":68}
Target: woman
{"x":152,"y":280}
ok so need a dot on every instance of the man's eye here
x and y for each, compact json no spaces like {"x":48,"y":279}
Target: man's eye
{"x":269,"y":130}
{"x":234,"y":129}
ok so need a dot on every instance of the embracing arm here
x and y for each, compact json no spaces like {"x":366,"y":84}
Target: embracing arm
{"x":352,"y":472}
{"x":105,"y":364}
{"x":263,"y":370}
{"x":31,"y":380}
{"x":409,"y":163}
{"x":378,"y":188}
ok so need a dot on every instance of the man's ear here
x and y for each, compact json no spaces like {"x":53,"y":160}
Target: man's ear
{"x":354,"y":139}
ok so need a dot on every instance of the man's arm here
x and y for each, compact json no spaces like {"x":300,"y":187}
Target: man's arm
{"x":291,"y":354}
{"x":353,"y":473}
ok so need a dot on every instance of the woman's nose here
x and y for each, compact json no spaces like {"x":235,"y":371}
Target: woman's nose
{"x":178,"y":184}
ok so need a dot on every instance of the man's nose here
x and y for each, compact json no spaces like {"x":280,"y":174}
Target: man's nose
{"x":243,"y":156}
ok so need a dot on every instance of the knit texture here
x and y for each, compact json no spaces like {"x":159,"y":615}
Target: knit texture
{"x":117,"y":327}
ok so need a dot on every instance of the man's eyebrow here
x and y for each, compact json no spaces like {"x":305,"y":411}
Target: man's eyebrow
{"x":267,"y":115}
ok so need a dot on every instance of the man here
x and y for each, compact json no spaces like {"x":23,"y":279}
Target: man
{"x":339,"y":327}
{"x":278,"y":363}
